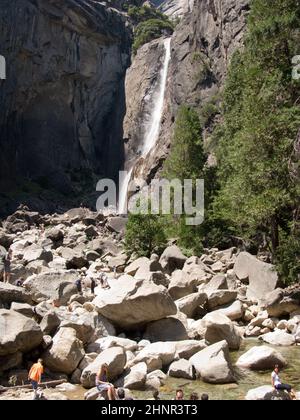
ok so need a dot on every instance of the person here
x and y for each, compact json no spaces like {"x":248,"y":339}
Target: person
{"x":194,"y":396}
{"x":103,"y":281}
{"x":204,"y":397}
{"x":179,"y":395}
{"x":278,"y":385}
{"x":35,"y":377}
{"x":7,"y":266}
{"x":156,"y":395}
{"x":19,"y":282}
{"x":93,"y":286}
{"x":78,"y":285}
{"x":102,"y":383}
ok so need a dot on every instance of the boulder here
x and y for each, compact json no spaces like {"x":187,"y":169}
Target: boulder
{"x":132,"y":268}
{"x":266,"y":393}
{"x":136,"y":378}
{"x":278,"y":305}
{"x":260,"y":318}
{"x":156,"y":355}
{"x":181,"y":285}
{"x":18,"y":333}
{"x":263,"y":278}
{"x":261,"y":358}
{"x":117,"y":224}
{"x":213,"y":364}
{"x":35,"y":252}
{"x":118,"y":262}
{"x":65,"y":353}
{"x":107,"y":342}
{"x":50,"y":323}
{"x":84,"y":325}
{"x":56,"y":234}
{"x":167,"y":329}
{"x":278,"y":338}
{"x":10,"y":293}
{"x":130,"y":303}
{"x":218,"y":282}
{"x":58,"y":285}
{"x":172,"y":259}
{"x":219,"y":327}
{"x":114,"y":357}
{"x":233,"y":311}
{"x":189,"y":305}
{"x":74,"y":258}
{"x":182,"y":369}
{"x":220,"y":298}
{"x":187,"y":348}
{"x":22,"y":308}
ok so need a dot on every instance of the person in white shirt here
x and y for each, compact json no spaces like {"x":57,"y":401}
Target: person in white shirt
{"x":278,"y":385}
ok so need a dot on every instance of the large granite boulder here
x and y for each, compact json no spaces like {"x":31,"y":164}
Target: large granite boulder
{"x":172,"y":259}
{"x":167,"y":329}
{"x":261,"y":358}
{"x":182,"y":369}
{"x":182,"y":284}
{"x":65,"y":353}
{"x":278,"y":338}
{"x":213,"y":364}
{"x":267,"y":393}
{"x":57,"y":285}
{"x":114,"y":357}
{"x":191,"y":304}
{"x":262,"y":277}
{"x":131,"y":303}
{"x":18,"y":333}
{"x":156,"y":355}
{"x":218,"y":327}
{"x":10,"y":293}
{"x":278,"y":305}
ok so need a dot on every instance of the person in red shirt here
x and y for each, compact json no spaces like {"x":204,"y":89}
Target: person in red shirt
{"x":35,"y":376}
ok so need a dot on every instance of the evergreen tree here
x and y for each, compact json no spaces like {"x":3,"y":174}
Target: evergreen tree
{"x":261,"y":120}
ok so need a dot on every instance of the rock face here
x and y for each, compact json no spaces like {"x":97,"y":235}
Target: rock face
{"x":177,"y":8}
{"x":131,"y":303}
{"x":261,"y":358}
{"x":263,"y":278}
{"x":18,"y":333}
{"x":64,"y":97}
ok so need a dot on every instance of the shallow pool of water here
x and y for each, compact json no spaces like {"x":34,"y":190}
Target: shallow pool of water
{"x":246,"y":379}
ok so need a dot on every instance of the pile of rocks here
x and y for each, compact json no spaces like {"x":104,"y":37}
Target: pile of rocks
{"x":162,"y":316}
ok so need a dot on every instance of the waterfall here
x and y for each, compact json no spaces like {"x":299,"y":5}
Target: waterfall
{"x":153,"y":127}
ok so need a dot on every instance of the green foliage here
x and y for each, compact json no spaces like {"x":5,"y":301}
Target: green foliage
{"x":144,"y":235}
{"x":144,"y":13}
{"x":288,"y":259}
{"x":261,"y":120}
{"x":149,"y":30}
{"x":186,"y":161}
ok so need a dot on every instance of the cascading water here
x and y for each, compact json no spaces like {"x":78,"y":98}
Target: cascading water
{"x":152,"y":133}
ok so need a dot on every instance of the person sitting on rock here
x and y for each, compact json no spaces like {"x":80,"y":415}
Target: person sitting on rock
{"x":35,"y":377}
{"x":19,"y":282}
{"x":102,"y":383}
{"x":278,"y":385}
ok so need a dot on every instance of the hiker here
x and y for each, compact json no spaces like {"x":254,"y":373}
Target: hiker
{"x":93,"y":286}
{"x":179,"y":395}
{"x":7,"y":266}
{"x":35,"y":377}
{"x":102,"y":383}
{"x":103,"y":281}
{"x":278,"y":385}
{"x":79,"y":285}
{"x":204,"y":397}
{"x":194,"y":396}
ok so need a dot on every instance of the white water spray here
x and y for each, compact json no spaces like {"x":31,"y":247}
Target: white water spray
{"x":152,"y":134}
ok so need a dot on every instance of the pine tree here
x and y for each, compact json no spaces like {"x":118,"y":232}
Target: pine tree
{"x":261,"y":121}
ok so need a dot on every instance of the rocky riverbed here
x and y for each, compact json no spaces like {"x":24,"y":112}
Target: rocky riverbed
{"x":211,"y":323}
